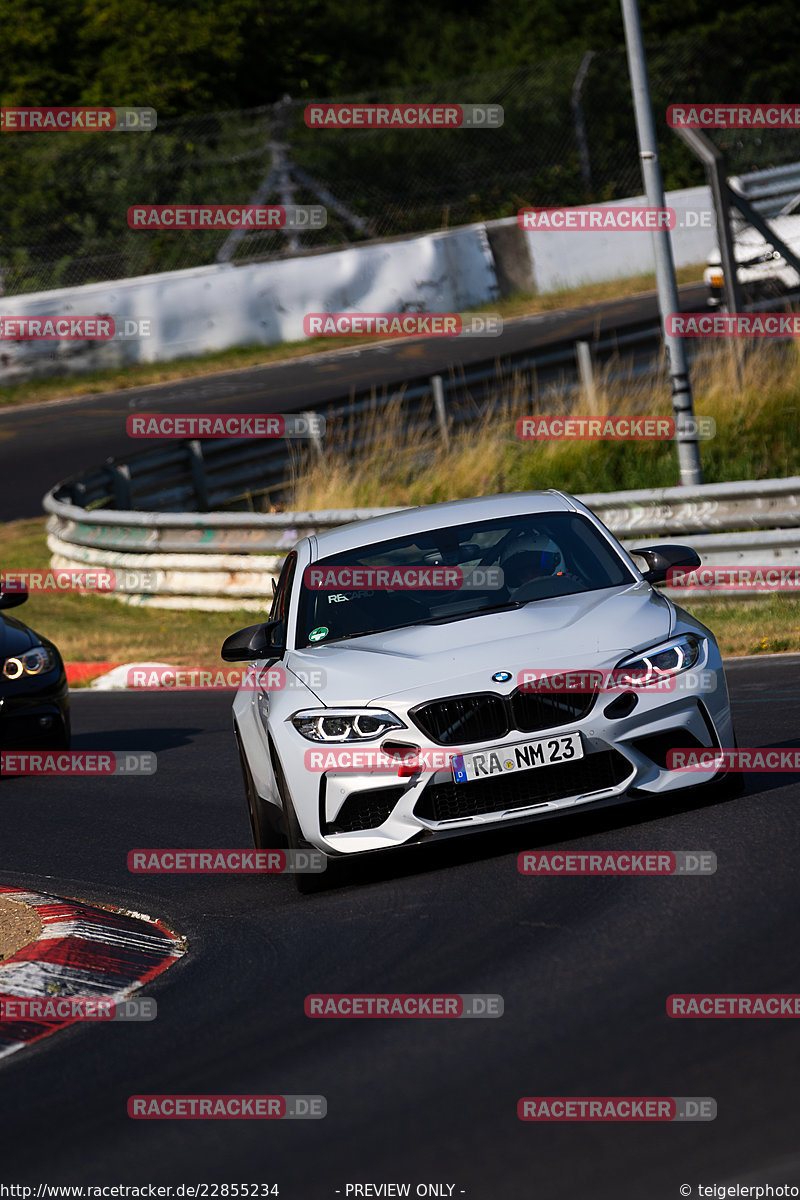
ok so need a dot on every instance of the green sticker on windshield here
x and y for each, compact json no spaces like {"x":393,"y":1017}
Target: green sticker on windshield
{"x":319,"y":633}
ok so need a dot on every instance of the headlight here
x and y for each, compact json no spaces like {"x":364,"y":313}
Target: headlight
{"x":344,"y":724}
{"x":670,"y":658}
{"x":36,"y":662}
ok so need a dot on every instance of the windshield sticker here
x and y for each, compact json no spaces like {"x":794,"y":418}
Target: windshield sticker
{"x":337,"y":598}
{"x":319,"y":633}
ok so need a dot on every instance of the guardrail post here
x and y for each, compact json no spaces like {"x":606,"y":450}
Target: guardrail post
{"x":586,"y":371}
{"x":441,"y":412}
{"x":197,"y":464}
{"x":314,"y":435}
{"x":121,"y":484}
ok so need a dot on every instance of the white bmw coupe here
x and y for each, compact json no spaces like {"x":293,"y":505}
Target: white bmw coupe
{"x":444,"y":669}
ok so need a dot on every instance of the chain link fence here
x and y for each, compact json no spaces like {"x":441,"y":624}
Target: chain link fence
{"x":568,"y":138}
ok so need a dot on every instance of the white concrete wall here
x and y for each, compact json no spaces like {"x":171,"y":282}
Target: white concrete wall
{"x":217,"y":307}
{"x":573,"y":257}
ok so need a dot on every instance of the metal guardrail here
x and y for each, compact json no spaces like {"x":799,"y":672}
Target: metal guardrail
{"x":207,"y":476}
{"x":219,"y":561}
{"x":771,"y":192}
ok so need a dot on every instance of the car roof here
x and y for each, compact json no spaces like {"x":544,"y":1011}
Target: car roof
{"x":434,"y":516}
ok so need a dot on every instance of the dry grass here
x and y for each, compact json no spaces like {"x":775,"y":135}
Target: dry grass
{"x":93,"y":628}
{"x":757,"y":437}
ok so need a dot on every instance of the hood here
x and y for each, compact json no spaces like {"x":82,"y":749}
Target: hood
{"x":589,"y":630}
{"x":15,"y":637}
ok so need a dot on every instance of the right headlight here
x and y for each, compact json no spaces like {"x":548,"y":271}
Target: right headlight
{"x":37,"y":661}
{"x":668,"y":658}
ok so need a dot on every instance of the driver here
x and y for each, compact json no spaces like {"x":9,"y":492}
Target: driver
{"x":529,"y":558}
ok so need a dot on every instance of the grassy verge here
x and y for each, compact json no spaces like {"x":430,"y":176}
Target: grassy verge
{"x":98,"y":629}
{"x":112,"y":380}
{"x":757,"y":437}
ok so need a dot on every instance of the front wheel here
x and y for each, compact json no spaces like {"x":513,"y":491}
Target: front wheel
{"x":306,"y":883}
{"x":263,"y":827}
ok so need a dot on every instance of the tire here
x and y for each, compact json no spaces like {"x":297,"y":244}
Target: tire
{"x":305,"y":882}
{"x":263,"y":827}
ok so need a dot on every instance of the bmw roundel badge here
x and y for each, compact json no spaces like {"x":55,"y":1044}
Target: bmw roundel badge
{"x":501,"y":676}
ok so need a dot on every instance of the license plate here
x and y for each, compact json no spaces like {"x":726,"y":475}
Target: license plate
{"x":523,"y":756}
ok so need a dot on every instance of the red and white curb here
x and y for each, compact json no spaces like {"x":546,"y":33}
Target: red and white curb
{"x":82,"y":951}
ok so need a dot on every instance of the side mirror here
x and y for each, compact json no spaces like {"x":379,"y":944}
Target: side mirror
{"x":662,"y":559}
{"x":256,"y":641}
{"x":14,"y":598}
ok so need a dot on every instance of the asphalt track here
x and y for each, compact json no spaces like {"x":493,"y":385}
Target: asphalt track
{"x":585,"y":966}
{"x":41,"y":445}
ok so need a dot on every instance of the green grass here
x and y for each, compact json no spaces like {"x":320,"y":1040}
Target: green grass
{"x":94,"y":628}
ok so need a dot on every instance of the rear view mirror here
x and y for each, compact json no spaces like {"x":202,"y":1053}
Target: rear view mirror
{"x":256,"y":641}
{"x":13,"y":598}
{"x":661,"y":559}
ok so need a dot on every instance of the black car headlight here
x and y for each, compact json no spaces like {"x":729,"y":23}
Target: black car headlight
{"x":344,"y":724}
{"x":37,"y":661}
{"x":669,"y":658}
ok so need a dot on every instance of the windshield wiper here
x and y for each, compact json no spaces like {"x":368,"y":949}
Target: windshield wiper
{"x":475,"y":612}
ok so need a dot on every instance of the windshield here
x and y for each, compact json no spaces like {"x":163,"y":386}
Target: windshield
{"x":453,"y":573}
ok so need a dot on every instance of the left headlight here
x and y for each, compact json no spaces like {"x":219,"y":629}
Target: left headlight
{"x":344,"y":724}
{"x":37,"y":661}
{"x":669,"y":658}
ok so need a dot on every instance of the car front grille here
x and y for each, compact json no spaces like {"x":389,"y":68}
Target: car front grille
{"x":486,"y":717}
{"x":519,"y":789}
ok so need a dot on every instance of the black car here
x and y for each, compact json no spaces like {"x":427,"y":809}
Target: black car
{"x":34,"y":694}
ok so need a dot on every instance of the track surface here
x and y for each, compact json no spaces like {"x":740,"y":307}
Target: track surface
{"x":585,"y":966}
{"x":92,"y":428}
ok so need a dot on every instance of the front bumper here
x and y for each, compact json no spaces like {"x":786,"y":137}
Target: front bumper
{"x":34,"y":714}
{"x":344,"y":813}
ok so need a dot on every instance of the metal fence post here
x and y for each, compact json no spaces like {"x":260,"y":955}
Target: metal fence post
{"x":586,"y":369}
{"x":441,"y":412}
